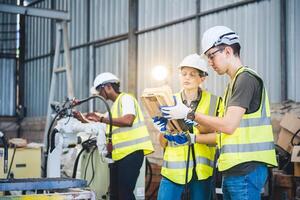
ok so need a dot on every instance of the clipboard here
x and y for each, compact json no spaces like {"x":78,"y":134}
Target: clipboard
{"x":153,"y":98}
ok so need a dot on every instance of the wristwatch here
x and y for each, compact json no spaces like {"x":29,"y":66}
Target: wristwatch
{"x":191,"y":115}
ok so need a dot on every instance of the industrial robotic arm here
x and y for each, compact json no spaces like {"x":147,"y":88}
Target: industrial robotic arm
{"x":65,"y":135}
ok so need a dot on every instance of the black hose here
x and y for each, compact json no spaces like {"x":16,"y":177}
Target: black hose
{"x":185,"y":191}
{"x":5,"y":163}
{"x":292,"y":140}
{"x":93,"y":169}
{"x":11,"y":162}
{"x":52,"y":141}
{"x":76,"y":163}
{"x":148,"y":167}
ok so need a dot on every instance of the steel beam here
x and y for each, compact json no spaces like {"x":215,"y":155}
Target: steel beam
{"x":37,"y":12}
{"x":132,"y":46}
{"x":283,"y":54}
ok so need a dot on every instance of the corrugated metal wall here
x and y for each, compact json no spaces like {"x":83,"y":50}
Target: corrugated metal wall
{"x":7,"y":87}
{"x":87,"y":24}
{"x":293,"y":49}
{"x":8,"y":45}
{"x":108,"y":18}
{"x":258,"y":25}
{"x":164,"y":47}
{"x":156,"y":12}
{"x":37,"y":78}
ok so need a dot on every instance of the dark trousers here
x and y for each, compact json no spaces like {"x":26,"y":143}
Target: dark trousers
{"x":123,"y":176}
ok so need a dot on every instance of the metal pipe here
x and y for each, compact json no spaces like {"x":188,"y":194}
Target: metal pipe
{"x":35,"y":2}
{"x":283,"y":54}
{"x":38,"y":12}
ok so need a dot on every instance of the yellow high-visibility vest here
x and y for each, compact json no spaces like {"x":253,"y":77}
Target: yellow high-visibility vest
{"x":126,"y":140}
{"x":175,"y":156}
{"x":253,"y":139}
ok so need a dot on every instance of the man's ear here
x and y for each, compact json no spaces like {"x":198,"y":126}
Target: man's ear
{"x":228,"y":50}
{"x":203,"y":78}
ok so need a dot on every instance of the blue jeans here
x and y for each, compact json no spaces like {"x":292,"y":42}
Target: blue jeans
{"x":247,"y":187}
{"x":199,"y":190}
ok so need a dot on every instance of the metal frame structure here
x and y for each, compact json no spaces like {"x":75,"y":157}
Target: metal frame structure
{"x":61,"y":31}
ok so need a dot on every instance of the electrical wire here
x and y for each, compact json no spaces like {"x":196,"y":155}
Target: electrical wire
{"x":148,"y":167}
{"x":11,"y":162}
{"x":76,"y":163}
{"x":93,"y":169}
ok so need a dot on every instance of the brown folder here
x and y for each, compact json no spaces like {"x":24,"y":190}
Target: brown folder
{"x":153,"y":98}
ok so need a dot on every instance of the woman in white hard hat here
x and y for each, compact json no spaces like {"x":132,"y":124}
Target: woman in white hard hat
{"x":176,"y":176}
{"x":246,"y":139}
{"x":130,"y":137}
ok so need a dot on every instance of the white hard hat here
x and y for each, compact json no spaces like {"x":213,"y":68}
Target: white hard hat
{"x":218,"y":35}
{"x":194,"y":61}
{"x":102,"y":79}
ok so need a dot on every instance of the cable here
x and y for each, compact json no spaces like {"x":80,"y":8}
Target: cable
{"x":76,"y":163}
{"x":86,"y":166}
{"x":185,"y":191}
{"x":153,"y":192}
{"x":93,"y":169}
{"x":11,"y":162}
{"x":292,"y":140}
{"x":148,"y":167}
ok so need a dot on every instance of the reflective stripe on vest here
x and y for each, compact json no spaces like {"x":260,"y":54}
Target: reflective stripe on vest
{"x":235,"y":148}
{"x":131,"y":142}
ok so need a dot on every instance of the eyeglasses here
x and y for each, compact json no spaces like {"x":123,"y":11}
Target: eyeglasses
{"x":212,"y":55}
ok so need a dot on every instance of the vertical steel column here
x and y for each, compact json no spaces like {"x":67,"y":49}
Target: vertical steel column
{"x":132,"y":46}
{"x":20,"y":69}
{"x":198,"y":32}
{"x":283,"y":54}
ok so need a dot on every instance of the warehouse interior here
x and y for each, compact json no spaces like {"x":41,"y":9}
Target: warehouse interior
{"x":52,"y":50}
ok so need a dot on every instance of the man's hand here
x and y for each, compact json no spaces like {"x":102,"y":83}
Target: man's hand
{"x":160,"y":123}
{"x":179,"y":111}
{"x":95,"y":117}
{"x":78,"y":115}
{"x":181,"y":138}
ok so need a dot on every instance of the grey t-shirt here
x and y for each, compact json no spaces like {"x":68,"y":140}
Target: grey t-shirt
{"x":246,"y":93}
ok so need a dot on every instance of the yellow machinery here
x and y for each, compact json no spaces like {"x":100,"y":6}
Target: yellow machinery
{"x":26,"y":163}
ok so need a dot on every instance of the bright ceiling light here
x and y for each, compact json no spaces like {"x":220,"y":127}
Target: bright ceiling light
{"x":159,"y":72}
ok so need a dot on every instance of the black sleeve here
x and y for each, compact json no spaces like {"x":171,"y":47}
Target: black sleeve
{"x":246,"y":92}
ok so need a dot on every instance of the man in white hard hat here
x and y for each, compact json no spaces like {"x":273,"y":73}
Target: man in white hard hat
{"x":130,"y":137}
{"x":246,"y":140}
{"x":178,"y":178}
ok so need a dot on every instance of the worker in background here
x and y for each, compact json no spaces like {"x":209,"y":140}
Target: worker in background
{"x":193,"y":72}
{"x":246,"y":139}
{"x":130,"y":137}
